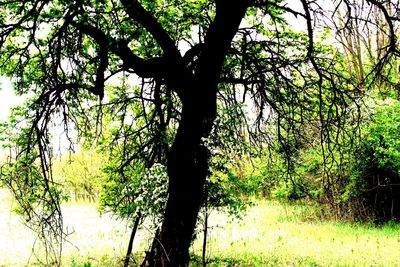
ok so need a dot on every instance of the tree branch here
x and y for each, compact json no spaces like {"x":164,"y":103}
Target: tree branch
{"x":137,"y":13}
{"x":149,"y":68}
{"x":393,"y":37}
{"x":219,"y":37}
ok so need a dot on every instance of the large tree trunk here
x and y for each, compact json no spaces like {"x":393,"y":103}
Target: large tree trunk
{"x":187,"y":170}
{"x":188,"y":157}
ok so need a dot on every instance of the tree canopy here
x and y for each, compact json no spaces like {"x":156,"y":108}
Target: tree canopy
{"x":163,"y":74}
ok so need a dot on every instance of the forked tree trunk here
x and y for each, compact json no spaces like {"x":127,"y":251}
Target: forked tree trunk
{"x":188,"y":157}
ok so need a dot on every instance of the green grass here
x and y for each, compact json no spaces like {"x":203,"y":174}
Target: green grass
{"x":271,"y":234}
{"x":274,"y":234}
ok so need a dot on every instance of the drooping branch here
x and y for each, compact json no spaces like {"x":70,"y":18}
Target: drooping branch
{"x":99,"y":84}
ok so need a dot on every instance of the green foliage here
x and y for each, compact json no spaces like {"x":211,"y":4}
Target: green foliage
{"x":143,"y":195}
{"x":131,"y":189}
{"x":355,"y":181}
{"x":377,"y":150}
{"x":375,"y":172}
{"x":225,"y":189}
{"x":267,"y":176}
{"x":28,"y":175}
{"x":380,"y":147}
{"x":80,"y":173}
{"x":225,"y":192}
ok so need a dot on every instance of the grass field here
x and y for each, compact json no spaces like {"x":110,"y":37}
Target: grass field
{"x":271,"y":234}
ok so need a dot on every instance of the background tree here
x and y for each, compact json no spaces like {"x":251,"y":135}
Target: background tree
{"x":80,"y":173}
{"x":66,"y":54}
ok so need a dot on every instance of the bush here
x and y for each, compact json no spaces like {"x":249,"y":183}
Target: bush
{"x":359,"y":181}
{"x":376,"y":170}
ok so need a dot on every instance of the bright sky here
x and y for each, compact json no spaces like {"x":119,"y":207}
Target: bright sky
{"x":7,"y":98}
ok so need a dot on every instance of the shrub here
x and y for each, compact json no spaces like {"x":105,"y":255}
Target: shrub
{"x":376,"y":169}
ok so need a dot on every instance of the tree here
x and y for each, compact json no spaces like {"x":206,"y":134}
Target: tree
{"x":68,"y":52}
{"x":364,"y":45}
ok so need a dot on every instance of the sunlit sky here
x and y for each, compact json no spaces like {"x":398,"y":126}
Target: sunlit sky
{"x":7,"y":98}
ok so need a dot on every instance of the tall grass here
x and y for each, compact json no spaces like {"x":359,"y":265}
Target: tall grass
{"x":276,"y":234}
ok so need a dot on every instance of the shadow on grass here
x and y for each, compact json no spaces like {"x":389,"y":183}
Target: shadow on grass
{"x":196,"y":261}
